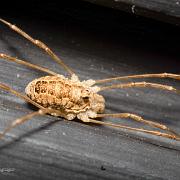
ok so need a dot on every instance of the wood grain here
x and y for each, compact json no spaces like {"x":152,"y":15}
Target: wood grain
{"x":164,"y":10}
{"x":53,"y":148}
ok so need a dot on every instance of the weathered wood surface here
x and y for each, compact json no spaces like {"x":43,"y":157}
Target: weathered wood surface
{"x":53,"y":148}
{"x":164,"y":10}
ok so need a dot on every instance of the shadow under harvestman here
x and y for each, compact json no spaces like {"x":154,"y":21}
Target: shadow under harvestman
{"x":71,"y":98}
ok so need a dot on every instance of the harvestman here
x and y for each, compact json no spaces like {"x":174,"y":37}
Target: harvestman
{"x":71,"y":98}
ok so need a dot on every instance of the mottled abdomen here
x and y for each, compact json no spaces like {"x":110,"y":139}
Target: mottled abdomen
{"x":57,"y":92}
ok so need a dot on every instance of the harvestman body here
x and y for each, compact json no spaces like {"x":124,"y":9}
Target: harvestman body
{"x":71,"y":98}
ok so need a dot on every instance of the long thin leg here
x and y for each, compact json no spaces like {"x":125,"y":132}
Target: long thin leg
{"x":157,"y":133}
{"x":13,"y":59}
{"x":141,"y":85}
{"x":160,"y":75}
{"x":139,"y":119}
{"x":39,"y":44}
{"x":23,"y":119}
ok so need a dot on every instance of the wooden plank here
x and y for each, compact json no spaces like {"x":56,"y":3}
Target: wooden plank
{"x":164,"y":10}
{"x":53,"y":148}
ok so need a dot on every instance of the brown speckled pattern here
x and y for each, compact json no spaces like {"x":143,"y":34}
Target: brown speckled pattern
{"x":60,"y":93}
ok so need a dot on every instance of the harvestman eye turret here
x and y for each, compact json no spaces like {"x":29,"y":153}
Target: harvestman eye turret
{"x":71,"y":98}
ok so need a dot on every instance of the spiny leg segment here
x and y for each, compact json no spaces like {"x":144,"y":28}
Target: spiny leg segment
{"x":140,"y":85}
{"x":157,"y":133}
{"x":173,"y":134}
{"x":139,"y":119}
{"x":23,"y":119}
{"x":18,"y":61}
{"x":40,"y":45}
{"x":160,"y":75}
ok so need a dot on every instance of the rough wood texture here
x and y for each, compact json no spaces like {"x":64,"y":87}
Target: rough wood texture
{"x":164,"y":10}
{"x":53,"y":148}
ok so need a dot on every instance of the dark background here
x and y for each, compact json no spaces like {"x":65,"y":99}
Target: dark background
{"x":163,"y":10}
{"x":97,"y":42}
